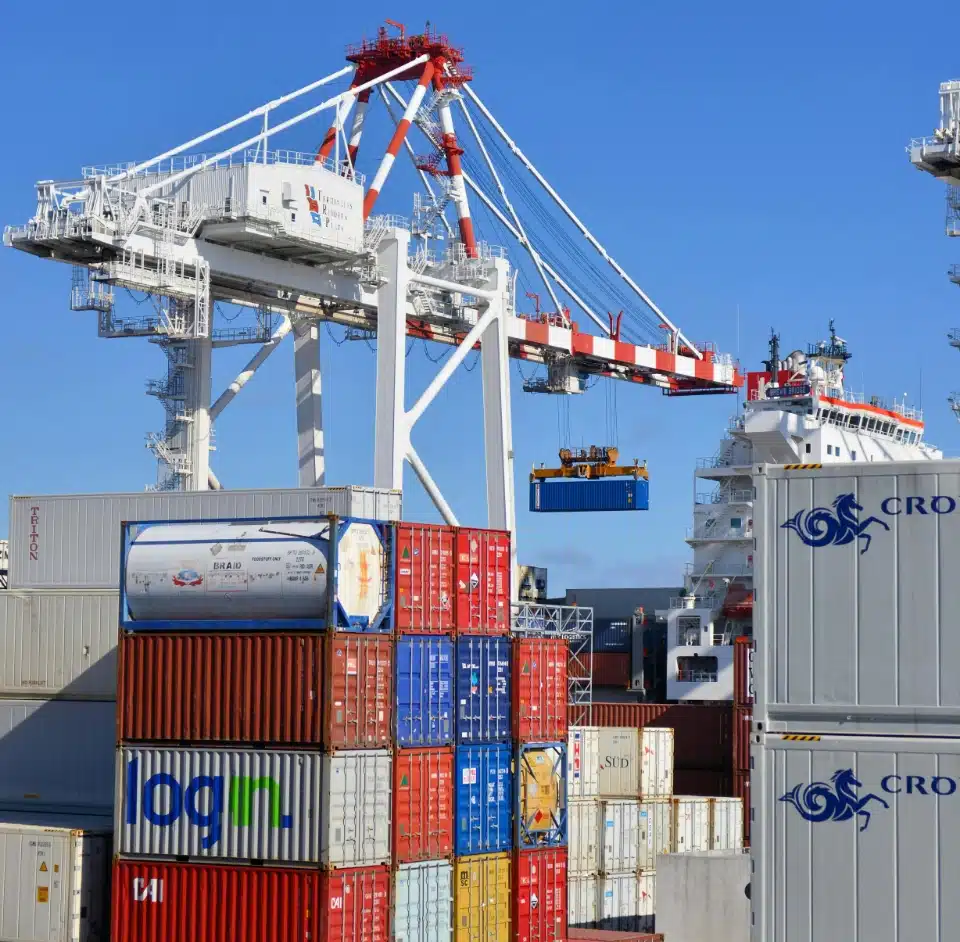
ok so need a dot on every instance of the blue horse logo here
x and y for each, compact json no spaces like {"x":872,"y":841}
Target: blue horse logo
{"x":820,"y":802}
{"x":824,"y":527}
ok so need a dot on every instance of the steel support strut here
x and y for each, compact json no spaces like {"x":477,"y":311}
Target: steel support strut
{"x":197,"y":389}
{"x":306,"y":358}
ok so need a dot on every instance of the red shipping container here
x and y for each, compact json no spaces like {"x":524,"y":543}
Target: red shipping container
{"x":742,"y":719}
{"x":423,"y":797}
{"x":709,"y":783}
{"x":237,"y":687}
{"x":358,"y":695}
{"x":356,"y":906}
{"x":743,"y":690}
{"x":184,"y":902}
{"x":741,"y":789}
{"x":483,"y":582}
{"x":611,"y":670}
{"x":539,"y":690}
{"x":425,"y":567}
{"x":540,"y":895}
{"x":609,"y":935}
{"x":702,"y":731}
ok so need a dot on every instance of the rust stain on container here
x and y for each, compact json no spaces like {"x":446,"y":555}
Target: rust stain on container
{"x":482,"y":582}
{"x":540,"y":690}
{"x":425,"y":564}
{"x":422,"y":804}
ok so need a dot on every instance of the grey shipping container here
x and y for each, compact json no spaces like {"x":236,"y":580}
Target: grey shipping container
{"x":857,"y":598}
{"x":54,"y":884}
{"x":855,"y":838}
{"x":423,"y":902}
{"x":73,"y":541}
{"x":57,"y":755}
{"x":703,"y":896}
{"x":235,"y":804}
{"x":59,"y":644}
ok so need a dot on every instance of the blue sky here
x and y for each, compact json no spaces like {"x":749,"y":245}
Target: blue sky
{"x":748,"y":154}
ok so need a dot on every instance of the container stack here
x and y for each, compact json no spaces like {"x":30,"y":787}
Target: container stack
{"x":540,"y":904}
{"x":254,"y":769}
{"x":423,"y":785}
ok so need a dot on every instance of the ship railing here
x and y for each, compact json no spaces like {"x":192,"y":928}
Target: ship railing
{"x":735,"y":496}
{"x":704,"y":532}
{"x":694,"y":601}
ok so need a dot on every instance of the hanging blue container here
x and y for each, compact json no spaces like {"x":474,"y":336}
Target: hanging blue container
{"x":612,"y":636}
{"x":560,"y":495}
{"x":541,"y":795}
{"x":424,"y":706}
{"x":483,"y":690}
{"x":484,"y":806}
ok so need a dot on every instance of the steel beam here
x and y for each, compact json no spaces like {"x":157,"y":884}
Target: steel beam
{"x":306,"y":359}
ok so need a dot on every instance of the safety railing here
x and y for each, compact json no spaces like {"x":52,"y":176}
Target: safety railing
{"x":696,"y":677}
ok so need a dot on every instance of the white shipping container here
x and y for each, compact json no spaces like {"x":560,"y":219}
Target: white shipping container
{"x":619,"y":762}
{"x":583,"y":762}
{"x":656,"y":762}
{"x":627,"y":902}
{"x":59,"y":644}
{"x":691,"y":824}
{"x":703,"y":898}
{"x":57,"y":755}
{"x":636,"y":763}
{"x":583,"y":831}
{"x":620,"y":843}
{"x":73,"y":541}
{"x":239,"y":804}
{"x":583,"y":900}
{"x":656,"y":831}
{"x":423,"y":902}
{"x":726,"y":824}
{"x":857,"y":598}
{"x":54,"y":884}
{"x":357,"y":801}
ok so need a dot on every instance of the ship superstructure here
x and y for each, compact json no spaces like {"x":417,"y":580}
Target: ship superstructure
{"x":797,"y":411}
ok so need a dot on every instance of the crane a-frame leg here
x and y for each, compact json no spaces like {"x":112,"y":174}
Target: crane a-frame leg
{"x":306,"y":360}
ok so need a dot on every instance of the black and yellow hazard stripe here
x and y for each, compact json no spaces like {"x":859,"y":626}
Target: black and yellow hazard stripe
{"x":801,"y":467}
{"x":798,"y":737}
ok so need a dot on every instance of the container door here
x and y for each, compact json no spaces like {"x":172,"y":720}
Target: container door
{"x":423,"y":902}
{"x":483,"y":690}
{"x":621,"y":837}
{"x":425,"y":577}
{"x":356,"y":906}
{"x":358,"y":699}
{"x":582,"y":901}
{"x":618,"y":902}
{"x":656,"y":831}
{"x":583,"y":762}
{"x":691,"y":821}
{"x":483,"y":582}
{"x":540,"y":896}
{"x":357,"y":801}
{"x":540,"y":690}
{"x":656,"y":774}
{"x":423,"y":804}
{"x":484,"y":799}
{"x":727,"y":824}
{"x":584,"y":837}
{"x":482,"y":899}
{"x":35,"y":890}
{"x":620,"y":762}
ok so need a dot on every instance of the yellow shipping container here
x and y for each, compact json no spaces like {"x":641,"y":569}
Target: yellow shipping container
{"x":542,"y":791}
{"x":481,"y":898}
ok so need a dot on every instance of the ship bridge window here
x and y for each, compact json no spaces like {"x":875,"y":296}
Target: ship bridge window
{"x":829,"y":449}
{"x":854,"y":421}
{"x":853,"y":455}
{"x":697,"y":669}
{"x":688,"y":629}
{"x":807,"y":448}
{"x":736,"y":523}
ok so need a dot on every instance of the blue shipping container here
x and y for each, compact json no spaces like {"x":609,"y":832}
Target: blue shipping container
{"x":541,"y":795}
{"x":483,"y":690}
{"x":565,"y":496}
{"x":484,"y":799}
{"x":424,"y":691}
{"x":612,"y":636}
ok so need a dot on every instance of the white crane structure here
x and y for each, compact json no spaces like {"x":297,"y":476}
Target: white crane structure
{"x":939,"y":155}
{"x":291,"y":237}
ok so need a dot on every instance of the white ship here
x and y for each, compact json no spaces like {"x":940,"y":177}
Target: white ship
{"x":796,"y":412}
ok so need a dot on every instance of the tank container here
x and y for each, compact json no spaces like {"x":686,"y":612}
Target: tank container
{"x":541,"y":806}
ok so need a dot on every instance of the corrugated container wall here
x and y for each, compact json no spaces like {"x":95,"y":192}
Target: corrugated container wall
{"x":582,"y":900}
{"x":250,"y":688}
{"x":54,"y":884}
{"x":627,"y":902}
{"x":484,"y":803}
{"x":540,"y":896}
{"x":164,"y":901}
{"x":691,"y":824}
{"x":742,"y":720}
{"x":583,"y":816}
{"x":612,"y":636}
{"x":620,"y":850}
{"x":743,"y":661}
{"x":57,"y":755}
{"x":726,"y":824}
{"x":483,"y":582}
{"x":857,"y":600}
{"x":356,"y":807}
{"x":540,"y":690}
{"x":610,"y":670}
{"x":741,"y":790}
{"x":222,"y":803}
{"x":425,"y":578}
{"x":423,"y":902}
{"x":483,"y":689}
{"x":59,"y":644}
{"x":541,"y":812}
{"x":656,"y":831}
{"x":424,"y":691}
{"x":636,"y":763}
{"x":595,"y":495}
{"x":583,"y":762}
{"x":358,"y":693}
{"x":481,"y":898}
{"x":73,"y":541}
{"x":856,"y":837}
{"x":355,"y":905}
{"x":423,"y":799}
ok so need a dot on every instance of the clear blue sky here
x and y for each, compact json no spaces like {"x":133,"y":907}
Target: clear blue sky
{"x":745,"y":154}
